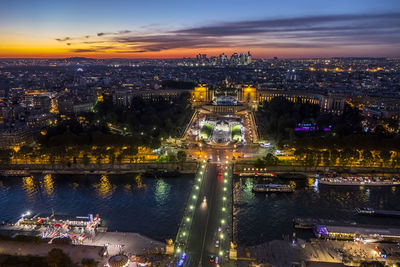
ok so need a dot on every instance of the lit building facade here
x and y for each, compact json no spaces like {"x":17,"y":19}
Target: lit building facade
{"x":201,"y":94}
{"x":328,"y":103}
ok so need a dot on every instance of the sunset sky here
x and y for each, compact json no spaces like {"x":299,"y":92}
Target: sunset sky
{"x":173,"y":29}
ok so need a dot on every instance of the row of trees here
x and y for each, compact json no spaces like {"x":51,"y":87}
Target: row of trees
{"x":83,"y":155}
{"x":334,"y":157}
{"x":268,"y":160}
{"x":347,"y":157}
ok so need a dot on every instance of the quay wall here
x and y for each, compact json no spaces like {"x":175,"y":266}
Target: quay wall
{"x":26,"y":169}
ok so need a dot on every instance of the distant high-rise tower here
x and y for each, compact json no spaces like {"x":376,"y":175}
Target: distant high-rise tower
{"x":248,"y":57}
{"x":242,"y":59}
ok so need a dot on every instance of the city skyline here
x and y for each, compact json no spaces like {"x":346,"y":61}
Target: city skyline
{"x":288,"y":29}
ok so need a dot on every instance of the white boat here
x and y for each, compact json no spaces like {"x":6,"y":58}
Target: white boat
{"x":265,"y":188}
{"x":359,"y":181}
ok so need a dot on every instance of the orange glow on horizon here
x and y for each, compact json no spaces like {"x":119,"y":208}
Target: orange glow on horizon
{"x":32,"y":47}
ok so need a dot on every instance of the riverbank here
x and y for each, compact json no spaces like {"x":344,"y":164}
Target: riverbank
{"x":126,"y":243}
{"x":152,"y":167}
{"x":283,"y":253}
{"x":100,"y":248}
{"x":76,"y":252}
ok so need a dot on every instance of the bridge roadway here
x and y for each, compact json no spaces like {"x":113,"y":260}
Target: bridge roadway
{"x":207,"y":218}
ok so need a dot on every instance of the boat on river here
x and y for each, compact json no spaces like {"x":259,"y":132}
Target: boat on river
{"x":360,"y":181}
{"x":374,"y":212}
{"x":309,"y":223}
{"x":266,"y":188}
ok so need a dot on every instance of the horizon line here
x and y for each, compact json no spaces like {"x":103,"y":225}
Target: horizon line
{"x":155,"y":58}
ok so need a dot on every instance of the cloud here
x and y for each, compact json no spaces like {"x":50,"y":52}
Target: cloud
{"x":113,"y":33}
{"x":63,"y":39}
{"x":311,"y":23}
{"x":83,"y":50}
{"x":131,"y":51}
{"x":331,"y":31}
{"x":124,"y":32}
{"x":93,"y":49}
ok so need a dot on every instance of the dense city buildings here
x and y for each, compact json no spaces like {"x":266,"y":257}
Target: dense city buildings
{"x":33,"y":91}
{"x":200,"y":133}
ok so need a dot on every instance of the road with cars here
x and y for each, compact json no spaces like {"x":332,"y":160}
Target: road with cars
{"x":208,"y":223}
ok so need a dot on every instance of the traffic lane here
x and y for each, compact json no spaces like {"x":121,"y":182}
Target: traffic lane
{"x":197,"y":230}
{"x":214,"y":222}
{"x":212,"y":200}
{"x":200,"y":218}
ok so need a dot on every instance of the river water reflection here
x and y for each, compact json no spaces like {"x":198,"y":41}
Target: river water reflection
{"x":149,"y":206}
{"x":261,"y":217}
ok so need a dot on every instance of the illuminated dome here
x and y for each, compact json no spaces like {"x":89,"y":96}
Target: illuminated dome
{"x":118,"y":261}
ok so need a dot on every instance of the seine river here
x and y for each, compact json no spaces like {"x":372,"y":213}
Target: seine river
{"x":263,"y":217}
{"x":152,"y":207}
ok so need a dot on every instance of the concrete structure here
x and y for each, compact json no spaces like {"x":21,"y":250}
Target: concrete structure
{"x":248,"y":94}
{"x":124,"y":97}
{"x":328,"y":103}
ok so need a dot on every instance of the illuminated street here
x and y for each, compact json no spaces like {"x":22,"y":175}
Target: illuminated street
{"x":210,"y":215}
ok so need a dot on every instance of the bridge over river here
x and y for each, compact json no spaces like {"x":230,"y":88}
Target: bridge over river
{"x":206,"y":229}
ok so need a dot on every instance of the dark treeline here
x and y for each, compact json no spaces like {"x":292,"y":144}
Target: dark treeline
{"x":346,"y":144}
{"x":111,"y":134}
{"x":143,"y":124}
{"x":278,"y":119}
